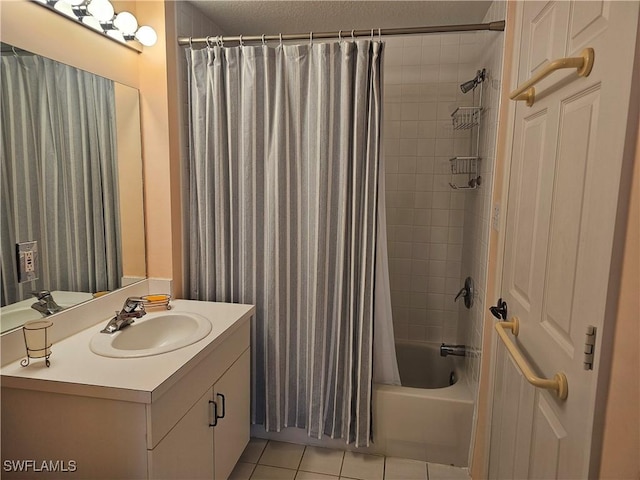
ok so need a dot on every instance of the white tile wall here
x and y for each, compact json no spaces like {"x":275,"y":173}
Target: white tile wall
{"x":425,"y":217}
{"x":477,"y":212}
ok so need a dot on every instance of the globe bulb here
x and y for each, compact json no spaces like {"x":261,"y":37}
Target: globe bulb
{"x":126,"y":23}
{"x":92,"y":22}
{"x":147,"y":36}
{"x":101,"y":9}
{"x":64,"y":7}
{"x":117,"y":35}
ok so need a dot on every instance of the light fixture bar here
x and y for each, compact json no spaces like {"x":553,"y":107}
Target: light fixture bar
{"x":100,"y":16}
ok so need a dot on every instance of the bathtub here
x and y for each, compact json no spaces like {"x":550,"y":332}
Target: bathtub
{"x":431,"y":424}
{"x":426,"y":418}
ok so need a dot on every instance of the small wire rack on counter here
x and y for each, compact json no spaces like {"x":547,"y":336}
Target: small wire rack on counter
{"x":158,"y":301}
{"x":465,"y":173}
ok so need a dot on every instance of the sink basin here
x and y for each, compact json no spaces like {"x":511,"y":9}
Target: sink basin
{"x":153,"y":334}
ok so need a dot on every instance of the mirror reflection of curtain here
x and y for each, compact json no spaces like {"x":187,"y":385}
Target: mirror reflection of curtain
{"x":59,"y":176}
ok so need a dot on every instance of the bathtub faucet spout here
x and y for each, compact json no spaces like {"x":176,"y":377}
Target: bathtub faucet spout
{"x":458,"y":350}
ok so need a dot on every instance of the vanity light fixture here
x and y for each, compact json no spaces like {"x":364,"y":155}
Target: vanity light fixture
{"x":100,"y":16}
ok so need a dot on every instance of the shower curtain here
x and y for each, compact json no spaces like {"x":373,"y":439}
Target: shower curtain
{"x":59,"y":176}
{"x":283,"y":205}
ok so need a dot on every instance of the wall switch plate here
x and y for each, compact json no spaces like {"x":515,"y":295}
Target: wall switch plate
{"x":27,"y":261}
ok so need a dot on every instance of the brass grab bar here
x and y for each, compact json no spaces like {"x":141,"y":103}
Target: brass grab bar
{"x":559,"y":383}
{"x":583,"y":64}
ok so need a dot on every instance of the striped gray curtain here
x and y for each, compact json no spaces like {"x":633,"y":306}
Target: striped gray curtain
{"x":59,"y":176}
{"x":283,"y":185}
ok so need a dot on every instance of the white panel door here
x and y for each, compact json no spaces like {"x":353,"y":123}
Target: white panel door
{"x":565,"y":172}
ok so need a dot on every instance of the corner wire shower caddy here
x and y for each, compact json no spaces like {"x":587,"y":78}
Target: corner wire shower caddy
{"x":465,"y":171}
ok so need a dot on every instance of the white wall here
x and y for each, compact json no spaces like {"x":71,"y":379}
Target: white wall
{"x":422,"y":75}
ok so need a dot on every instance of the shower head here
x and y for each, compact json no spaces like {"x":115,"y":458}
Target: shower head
{"x":470,"y":85}
{"x":474,"y":82}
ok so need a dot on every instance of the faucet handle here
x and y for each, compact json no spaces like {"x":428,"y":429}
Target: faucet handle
{"x":133,"y":303}
{"x":41,"y":294}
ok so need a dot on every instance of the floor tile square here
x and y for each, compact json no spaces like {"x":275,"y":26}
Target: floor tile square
{"x":281,"y":454}
{"x":447,"y":472}
{"x":322,"y":460}
{"x":362,"y":466}
{"x":265,"y":472}
{"x":242,"y":471}
{"x":403,"y":469}
{"x":253,"y":450}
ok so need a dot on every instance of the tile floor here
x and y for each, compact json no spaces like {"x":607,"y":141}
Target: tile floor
{"x":271,"y":460}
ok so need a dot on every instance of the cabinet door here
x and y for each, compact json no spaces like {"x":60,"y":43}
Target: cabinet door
{"x":186,"y":450}
{"x":231,"y":434}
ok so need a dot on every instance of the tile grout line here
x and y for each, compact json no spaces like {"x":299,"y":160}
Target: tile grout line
{"x":384,"y":467}
{"x":300,"y":461}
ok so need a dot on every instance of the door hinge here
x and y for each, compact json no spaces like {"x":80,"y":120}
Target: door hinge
{"x":589,"y":347}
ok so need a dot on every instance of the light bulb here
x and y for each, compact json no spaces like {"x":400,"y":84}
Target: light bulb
{"x":126,"y":23}
{"x":101,"y":9}
{"x":147,"y":36}
{"x":92,"y":22}
{"x":64,"y":7}
{"x":116,"y":34}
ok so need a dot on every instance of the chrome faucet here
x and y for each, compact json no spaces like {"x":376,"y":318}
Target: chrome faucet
{"x":133,"y":308}
{"x":46,"y":305}
{"x":458,"y":350}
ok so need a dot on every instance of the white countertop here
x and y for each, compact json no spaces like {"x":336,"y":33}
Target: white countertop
{"x":76,"y":370}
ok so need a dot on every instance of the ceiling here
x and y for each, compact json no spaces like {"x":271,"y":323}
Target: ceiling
{"x":251,"y":17}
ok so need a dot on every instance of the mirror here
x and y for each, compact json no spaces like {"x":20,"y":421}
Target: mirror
{"x":72,"y":219}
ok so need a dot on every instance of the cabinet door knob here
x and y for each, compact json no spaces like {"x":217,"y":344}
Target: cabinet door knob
{"x":215,"y":413}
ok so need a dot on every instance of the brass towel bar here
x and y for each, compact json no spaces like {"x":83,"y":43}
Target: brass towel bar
{"x":583,"y":64}
{"x":559,"y":382}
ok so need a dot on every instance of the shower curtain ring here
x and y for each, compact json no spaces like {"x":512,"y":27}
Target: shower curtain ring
{"x":206,"y":40}
{"x":221,"y":41}
{"x":280,"y":39}
{"x":340,"y":36}
{"x":310,"y":38}
{"x":379,"y":35}
{"x":191,"y":43}
{"x":372,"y":34}
{"x":241,"y":42}
{"x":264,"y":42}
{"x":353,"y":37}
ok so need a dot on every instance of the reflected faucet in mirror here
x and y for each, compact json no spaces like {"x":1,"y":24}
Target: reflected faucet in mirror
{"x":46,"y":305}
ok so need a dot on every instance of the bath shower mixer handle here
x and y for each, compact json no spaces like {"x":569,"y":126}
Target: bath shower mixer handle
{"x":466,"y":293}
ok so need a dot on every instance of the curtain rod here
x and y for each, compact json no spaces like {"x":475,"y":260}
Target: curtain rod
{"x":494,"y":26}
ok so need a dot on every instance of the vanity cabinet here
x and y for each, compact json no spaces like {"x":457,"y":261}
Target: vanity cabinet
{"x":207,"y":442}
{"x":105,"y":426}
